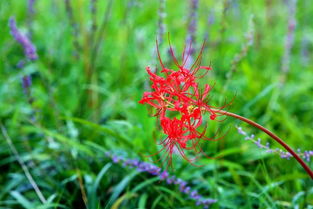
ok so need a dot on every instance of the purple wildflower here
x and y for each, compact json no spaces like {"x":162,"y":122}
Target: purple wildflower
{"x":170,"y":180}
{"x":182,"y":186}
{"x":115,"y":159}
{"x":135,"y":163}
{"x":285,"y":155}
{"x":307,"y":155}
{"x":267,"y":145}
{"x":210,"y":21}
{"x":30,"y":17}
{"x":164,"y":176}
{"x":207,"y":202}
{"x":26,"y":82}
{"x":192,"y":28}
{"x":149,"y":168}
{"x":74,"y":26}
{"x":29,"y":48}
{"x":194,"y":195}
{"x":258,"y":143}
{"x":21,"y":64}
{"x":289,"y":39}
{"x":94,"y":25}
{"x":161,"y":24}
{"x":31,"y":6}
{"x":239,"y":129}
{"x":186,"y":190}
{"x":179,"y":181}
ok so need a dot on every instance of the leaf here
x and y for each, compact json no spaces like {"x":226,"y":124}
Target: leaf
{"x":10,"y":185}
{"x":101,"y":129}
{"x":144,"y":184}
{"x":174,"y":194}
{"x":231,"y":151}
{"x":258,"y":97}
{"x":67,"y":141}
{"x":92,"y":197}
{"x":96,"y":146}
{"x":120,"y":187}
{"x":142,"y":201}
{"x":231,"y":165}
{"x":297,"y":197}
{"x":22,"y":200}
{"x":51,"y":205}
{"x":69,"y":179}
{"x":121,"y":199}
{"x":270,"y":186}
{"x":156,"y":201}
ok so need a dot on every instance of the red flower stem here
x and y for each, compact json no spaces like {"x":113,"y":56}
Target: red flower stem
{"x":271,"y":134}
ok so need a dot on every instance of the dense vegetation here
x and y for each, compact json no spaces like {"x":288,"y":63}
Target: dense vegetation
{"x":90,"y":75}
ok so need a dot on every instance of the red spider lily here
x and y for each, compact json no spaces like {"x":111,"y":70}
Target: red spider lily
{"x":178,"y":92}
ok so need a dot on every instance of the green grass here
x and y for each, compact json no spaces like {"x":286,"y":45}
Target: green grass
{"x":80,"y":112}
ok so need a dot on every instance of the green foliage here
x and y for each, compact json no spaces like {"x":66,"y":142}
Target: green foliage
{"x":85,"y":102}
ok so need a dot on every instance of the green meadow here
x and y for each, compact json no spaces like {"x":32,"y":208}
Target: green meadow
{"x":90,"y":74}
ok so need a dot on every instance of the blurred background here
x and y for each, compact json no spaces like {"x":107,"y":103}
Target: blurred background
{"x":61,"y":112}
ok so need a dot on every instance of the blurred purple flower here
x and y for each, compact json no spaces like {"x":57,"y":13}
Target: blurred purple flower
{"x":75,"y":27}
{"x":161,"y":24}
{"x":21,"y":64}
{"x":31,"y":6}
{"x":164,"y":176}
{"x":29,"y":48}
{"x":289,"y":39}
{"x":192,"y":28}
{"x":26,"y":82}
{"x":115,"y":159}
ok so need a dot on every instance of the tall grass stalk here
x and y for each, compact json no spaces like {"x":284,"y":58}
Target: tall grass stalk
{"x":22,"y":164}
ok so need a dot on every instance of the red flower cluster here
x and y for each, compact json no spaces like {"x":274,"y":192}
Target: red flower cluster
{"x":178,"y":94}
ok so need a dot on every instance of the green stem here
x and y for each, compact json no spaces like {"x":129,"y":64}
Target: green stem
{"x":271,"y":134}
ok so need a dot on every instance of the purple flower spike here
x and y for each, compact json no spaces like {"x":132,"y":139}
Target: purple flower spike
{"x":20,"y":64}
{"x":240,"y":131}
{"x":170,"y":180}
{"x":31,"y":6}
{"x":208,"y":202}
{"x":163,"y":175}
{"x":182,"y":186}
{"x":115,"y":159}
{"x":135,"y":163}
{"x":194,"y":195}
{"x":180,"y":181}
{"x":285,"y":155}
{"x":29,"y":48}
{"x":307,"y":155}
{"x":267,"y":145}
{"x":186,"y":190}
{"x":258,"y":143}
{"x":26,"y":82}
